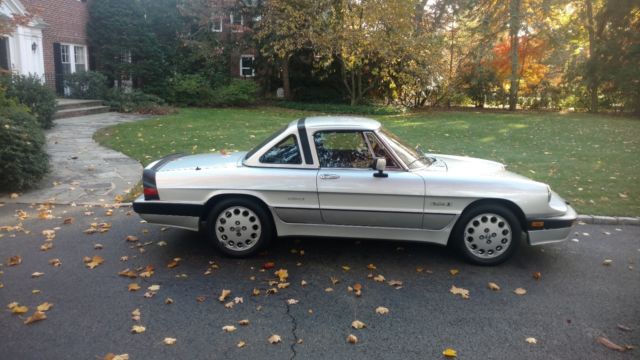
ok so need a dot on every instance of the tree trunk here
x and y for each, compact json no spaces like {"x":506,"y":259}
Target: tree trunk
{"x":514,"y":28}
{"x":286,"y":85}
{"x":591,"y":68}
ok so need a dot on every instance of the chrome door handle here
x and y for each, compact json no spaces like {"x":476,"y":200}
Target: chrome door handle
{"x":329,"y":176}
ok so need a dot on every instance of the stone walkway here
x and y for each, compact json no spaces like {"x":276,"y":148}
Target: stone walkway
{"x":82,"y":171}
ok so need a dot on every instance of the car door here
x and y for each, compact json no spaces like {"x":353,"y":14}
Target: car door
{"x":348,"y":192}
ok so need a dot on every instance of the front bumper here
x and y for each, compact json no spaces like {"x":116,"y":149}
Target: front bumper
{"x":552,"y":230}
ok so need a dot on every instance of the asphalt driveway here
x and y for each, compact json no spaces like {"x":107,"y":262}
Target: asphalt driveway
{"x":576,"y":299}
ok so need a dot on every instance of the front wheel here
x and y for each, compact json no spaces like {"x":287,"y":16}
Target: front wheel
{"x":487,"y":234}
{"x":239,"y":227}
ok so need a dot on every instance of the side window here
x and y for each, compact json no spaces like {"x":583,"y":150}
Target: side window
{"x":284,"y":152}
{"x":379,"y":150}
{"x":342,"y":149}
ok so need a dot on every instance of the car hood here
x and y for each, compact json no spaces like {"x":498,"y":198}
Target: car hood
{"x":203,"y":161}
{"x":467,"y":164}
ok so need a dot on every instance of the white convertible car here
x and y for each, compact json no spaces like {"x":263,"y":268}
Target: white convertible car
{"x":337,"y":176}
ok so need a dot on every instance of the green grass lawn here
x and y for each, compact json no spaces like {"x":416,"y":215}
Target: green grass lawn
{"x":591,"y":160}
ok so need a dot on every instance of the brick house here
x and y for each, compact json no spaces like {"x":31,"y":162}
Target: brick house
{"x":54,"y":43}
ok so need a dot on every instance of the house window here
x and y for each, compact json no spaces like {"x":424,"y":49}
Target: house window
{"x":246,"y":66}
{"x":73,"y":58}
{"x":5,"y":59}
{"x":216,"y":24}
{"x":237,"y":21}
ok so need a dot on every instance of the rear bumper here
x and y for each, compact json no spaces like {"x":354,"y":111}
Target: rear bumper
{"x":182,"y":215}
{"x":554,"y":229}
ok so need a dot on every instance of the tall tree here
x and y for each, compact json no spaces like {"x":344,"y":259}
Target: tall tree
{"x":514,"y":33}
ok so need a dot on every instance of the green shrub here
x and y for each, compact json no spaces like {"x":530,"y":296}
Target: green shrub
{"x":86,"y":85}
{"x":342,"y":108}
{"x":236,"y":93}
{"x":33,"y":93}
{"x":135,"y":101}
{"x":189,"y":90}
{"x":23,"y":161}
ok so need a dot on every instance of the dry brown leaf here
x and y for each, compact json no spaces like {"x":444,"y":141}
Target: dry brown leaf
{"x":173,"y":263}
{"x":128,"y":273}
{"x":131,"y":238}
{"x":531,"y":340}
{"x":228,"y":328}
{"x":624,"y":328}
{"x":352,"y":339}
{"x":493,"y":286}
{"x":244,"y":322}
{"x":454,"y":272}
{"x":55,"y":262}
{"x":49,"y":234}
{"x":275,"y":339}
{"x":334,"y":280}
{"x":133,"y":287}
{"x":395,"y":283}
{"x":283,"y":285}
{"x":328,"y":289}
{"x":371,"y":267}
{"x":112,"y":356}
{"x":168,"y":301}
{"x":607,"y":262}
{"x":537,"y":275}
{"x":17,"y":308}
{"x":68,"y":221}
{"x":464,"y":293}
{"x":223,"y":295}
{"x":14,"y":260}
{"x":45,"y":306}
{"x":241,"y":344}
{"x":37,"y":274}
{"x":346,"y":268}
{"x":37,"y":316}
{"x":169,"y":341}
{"x":46,"y":246}
{"x":154,"y":288}
{"x":381,"y":310}
{"x":255,"y":292}
{"x":282,"y":274}
{"x":448,"y":352}
{"x":138,"y":329}
{"x":520,"y":291}
{"x":135,"y":315}
{"x":292,"y":301}
{"x":303,"y":283}
{"x":357,"y":324}
{"x":379,"y":278}
{"x":95,"y":261}
{"x":610,"y":344}
{"x":148,"y":272}
{"x":201,"y":298}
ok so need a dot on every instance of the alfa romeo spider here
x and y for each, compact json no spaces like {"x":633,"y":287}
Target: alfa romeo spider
{"x":349,"y":177}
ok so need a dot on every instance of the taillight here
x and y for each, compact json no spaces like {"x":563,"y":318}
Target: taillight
{"x":151,"y":193}
{"x":150,"y":190}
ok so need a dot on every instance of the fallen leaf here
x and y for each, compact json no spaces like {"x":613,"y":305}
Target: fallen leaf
{"x":201,"y":298}
{"x":283,"y":285}
{"x":55,"y":262}
{"x":493,"y":286}
{"x":610,"y":344}
{"x":282,"y":274}
{"x":224,"y":295}
{"x":135,"y":315}
{"x":537,"y":275}
{"x":131,"y":238}
{"x":379,"y":278}
{"x":229,"y":305}
{"x":112,"y":356}
{"x":371,"y":267}
{"x":334,"y":280}
{"x":292,"y":301}
{"x":357,"y":324}
{"x":138,"y":329}
{"x":169,"y":341}
{"x":244,"y":322}
{"x":37,"y":316}
{"x":607,"y":262}
{"x":95,"y":261}
{"x":303,"y":283}
{"x":173,"y":263}
{"x":148,"y":272}
{"x":346,"y":268}
{"x":519,"y":291}
{"x":381,"y":310}
{"x":133,"y":287}
{"x":328,"y":289}
{"x":168,"y":301}
{"x":531,"y":340}
{"x":241,"y":344}
{"x":14,"y":195}
{"x":352,"y":339}
{"x":448,"y":352}
{"x":128,"y":273}
{"x":46,"y":246}
{"x":395,"y":283}
{"x":45,"y":306}
{"x":624,"y":328}
{"x":37,"y":274}
{"x":49,"y":234}
{"x":464,"y":293}
{"x":255,"y":292}
{"x":14,"y":260}
{"x":98,"y":246}
{"x":17,"y":308}
{"x":274,"y":339}
{"x":154,"y":287}
{"x":454,"y":271}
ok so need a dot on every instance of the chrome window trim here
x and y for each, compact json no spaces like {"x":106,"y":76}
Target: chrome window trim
{"x":254,"y":160}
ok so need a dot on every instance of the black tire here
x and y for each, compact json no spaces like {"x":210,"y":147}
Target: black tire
{"x":471,"y":227}
{"x":244,"y":244}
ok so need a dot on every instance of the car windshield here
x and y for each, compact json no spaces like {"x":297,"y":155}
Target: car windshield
{"x":413,"y":158}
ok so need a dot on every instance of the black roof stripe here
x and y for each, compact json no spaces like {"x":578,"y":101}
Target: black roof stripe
{"x":306,"y":149}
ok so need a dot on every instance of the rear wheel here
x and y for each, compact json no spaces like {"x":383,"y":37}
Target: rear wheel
{"x":487,"y":234}
{"x":239,"y":227}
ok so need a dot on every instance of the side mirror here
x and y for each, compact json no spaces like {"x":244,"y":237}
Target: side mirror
{"x":379,"y":164}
